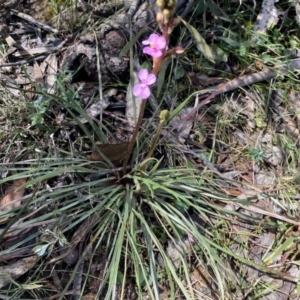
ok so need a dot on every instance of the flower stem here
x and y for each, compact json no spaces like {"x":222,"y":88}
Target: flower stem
{"x":164,"y":115}
{"x":134,"y":135}
{"x":156,"y":67}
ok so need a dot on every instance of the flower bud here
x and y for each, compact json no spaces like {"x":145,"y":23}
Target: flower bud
{"x":173,"y":23}
{"x":173,"y":51}
{"x":160,"y":4}
{"x":159,"y":17}
{"x":166,"y":4}
{"x":179,"y":50}
{"x":168,"y":8}
{"x":167,"y":15}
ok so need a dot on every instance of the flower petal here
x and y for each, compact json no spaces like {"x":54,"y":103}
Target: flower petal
{"x":146,"y":42}
{"x":157,"y":53}
{"x":150,"y":79}
{"x":152,"y":52}
{"x":148,"y":50}
{"x":161,"y":43}
{"x":143,"y":74}
{"x":153,"y":38}
{"x":138,"y":90}
{"x":141,"y":90}
{"x":146,"y":93}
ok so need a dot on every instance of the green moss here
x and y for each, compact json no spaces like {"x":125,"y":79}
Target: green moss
{"x":55,"y":7}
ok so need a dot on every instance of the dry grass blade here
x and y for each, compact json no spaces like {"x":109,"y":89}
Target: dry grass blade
{"x":38,"y":74}
{"x":218,"y":197}
{"x":266,"y":213}
{"x":52,"y":70}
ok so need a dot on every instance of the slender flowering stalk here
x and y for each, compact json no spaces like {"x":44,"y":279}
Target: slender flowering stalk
{"x":134,"y":135}
{"x":141,"y":90}
{"x":156,"y":46}
{"x":163,"y":116}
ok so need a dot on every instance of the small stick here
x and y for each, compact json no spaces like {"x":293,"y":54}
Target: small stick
{"x":134,"y":135}
{"x":34,"y":21}
{"x":240,"y":82}
{"x":22,"y":62}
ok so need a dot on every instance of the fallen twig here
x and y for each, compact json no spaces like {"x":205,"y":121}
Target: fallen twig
{"x":236,"y":83}
{"x":34,"y":21}
{"x":22,"y":62}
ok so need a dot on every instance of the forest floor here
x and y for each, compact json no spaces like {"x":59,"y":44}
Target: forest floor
{"x":211,"y":213}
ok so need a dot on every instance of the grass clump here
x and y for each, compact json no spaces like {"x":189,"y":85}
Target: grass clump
{"x":152,"y":226}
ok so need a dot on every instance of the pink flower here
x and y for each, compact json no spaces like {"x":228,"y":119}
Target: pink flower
{"x":156,"y":43}
{"x":142,"y":89}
